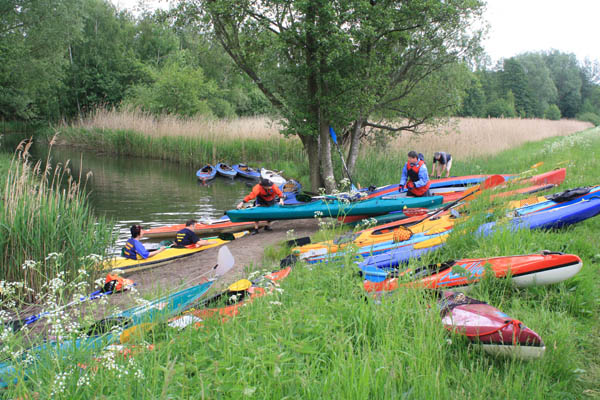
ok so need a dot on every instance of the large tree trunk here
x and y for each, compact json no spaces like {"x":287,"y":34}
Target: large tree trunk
{"x":354,"y":145}
{"x":311,"y":145}
{"x":326,"y":163}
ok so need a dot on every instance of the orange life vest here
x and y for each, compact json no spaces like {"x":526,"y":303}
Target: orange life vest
{"x":413,"y":176}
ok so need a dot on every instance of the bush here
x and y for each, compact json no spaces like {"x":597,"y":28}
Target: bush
{"x":552,"y":112}
{"x":500,"y":108}
{"x":589,"y":117}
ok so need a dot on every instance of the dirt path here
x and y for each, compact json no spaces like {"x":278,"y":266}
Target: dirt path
{"x":247,"y":251}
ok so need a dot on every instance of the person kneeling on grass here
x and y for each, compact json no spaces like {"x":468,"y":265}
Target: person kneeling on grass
{"x":187,"y":236}
{"x":414,"y":177}
{"x":134,"y":247}
{"x":265,"y":193}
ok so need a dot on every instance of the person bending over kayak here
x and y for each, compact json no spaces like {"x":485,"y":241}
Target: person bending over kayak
{"x":264,"y":194}
{"x":187,"y":236}
{"x":134,"y":247}
{"x":414,"y":177}
{"x":444,"y":162}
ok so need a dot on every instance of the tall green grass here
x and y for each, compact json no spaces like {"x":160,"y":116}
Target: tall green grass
{"x":44,"y":216}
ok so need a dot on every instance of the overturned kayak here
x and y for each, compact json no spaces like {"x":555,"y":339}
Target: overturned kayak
{"x":497,"y":333}
{"x":273,"y":176}
{"x":524,"y":270}
{"x":202,"y":229}
{"x":330,"y":208}
{"x":127,"y":265}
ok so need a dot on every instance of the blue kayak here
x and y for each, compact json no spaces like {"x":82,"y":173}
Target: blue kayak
{"x":290,"y":189}
{"x":225,"y":170}
{"x":245,"y":171}
{"x":157,"y":309}
{"x":206,"y":173}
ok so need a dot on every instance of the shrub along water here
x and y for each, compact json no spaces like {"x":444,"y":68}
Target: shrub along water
{"x":44,"y":211}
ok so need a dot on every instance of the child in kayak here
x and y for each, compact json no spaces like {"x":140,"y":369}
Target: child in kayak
{"x":134,"y":247}
{"x":264,"y":194}
{"x":187,"y":236}
{"x":444,"y":162}
{"x":414,"y":177}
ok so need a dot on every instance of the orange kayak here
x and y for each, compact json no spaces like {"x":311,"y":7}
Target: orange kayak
{"x":201,"y":229}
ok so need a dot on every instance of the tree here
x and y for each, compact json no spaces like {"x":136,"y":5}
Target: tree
{"x":566,"y":76}
{"x":338,"y":63}
{"x":474,"y":103}
{"x":541,"y":88}
{"x":513,"y":79}
{"x":552,"y":112}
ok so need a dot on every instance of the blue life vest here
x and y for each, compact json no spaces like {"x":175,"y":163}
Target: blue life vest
{"x":129,"y":249}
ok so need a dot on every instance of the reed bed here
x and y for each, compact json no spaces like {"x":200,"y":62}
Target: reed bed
{"x":44,"y":217}
{"x":467,"y":138}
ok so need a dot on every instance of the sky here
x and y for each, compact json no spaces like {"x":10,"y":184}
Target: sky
{"x":518,"y":26}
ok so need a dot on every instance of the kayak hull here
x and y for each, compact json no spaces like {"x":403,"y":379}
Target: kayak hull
{"x":481,"y":323}
{"x":330,"y":208}
{"x":245,"y":171}
{"x":225,"y":170}
{"x":201,"y":229}
{"x":206,"y":173}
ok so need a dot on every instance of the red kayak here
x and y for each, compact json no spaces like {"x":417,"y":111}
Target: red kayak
{"x":202,"y":230}
{"x":525,"y":270}
{"x":498,"y":333}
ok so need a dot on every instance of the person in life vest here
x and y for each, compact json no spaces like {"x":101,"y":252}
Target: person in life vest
{"x":264,"y":193}
{"x":187,"y":236}
{"x":414,"y":177}
{"x":134,"y":248}
{"x":443,"y":161}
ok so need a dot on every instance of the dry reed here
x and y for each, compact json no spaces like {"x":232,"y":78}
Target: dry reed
{"x":474,"y":137}
{"x":168,"y":125}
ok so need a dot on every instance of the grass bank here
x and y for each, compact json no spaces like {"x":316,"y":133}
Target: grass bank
{"x":320,"y":337}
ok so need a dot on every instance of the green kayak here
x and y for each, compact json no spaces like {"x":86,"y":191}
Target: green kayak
{"x":332,"y":208}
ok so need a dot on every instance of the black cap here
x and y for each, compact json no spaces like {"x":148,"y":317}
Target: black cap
{"x":265,"y":182}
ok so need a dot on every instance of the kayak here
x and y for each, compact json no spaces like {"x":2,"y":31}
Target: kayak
{"x":225,"y":170}
{"x":230,"y":302}
{"x":202,"y":229}
{"x":330,"y":208}
{"x":497,"y":333}
{"x":273,"y":176}
{"x":104,"y":333}
{"x":127,"y":265}
{"x":556,"y":217}
{"x":245,"y":171}
{"x":206,"y":173}
{"x":524,"y":270}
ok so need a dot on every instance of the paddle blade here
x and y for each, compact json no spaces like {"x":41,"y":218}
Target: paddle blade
{"x":239,"y":286}
{"x":493,"y":181}
{"x":225,"y":261}
{"x":374,"y":274}
{"x":415,"y":212}
{"x":332,"y":133}
{"x":536,"y":165}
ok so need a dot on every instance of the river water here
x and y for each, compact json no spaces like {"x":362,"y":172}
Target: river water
{"x":148,"y":192}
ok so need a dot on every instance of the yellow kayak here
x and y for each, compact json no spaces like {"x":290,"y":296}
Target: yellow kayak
{"x":127,"y":265}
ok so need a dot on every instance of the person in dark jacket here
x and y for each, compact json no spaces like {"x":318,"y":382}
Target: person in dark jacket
{"x":265,"y":194}
{"x":187,"y":236}
{"x":443,"y":161}
{"x":414,"y":176}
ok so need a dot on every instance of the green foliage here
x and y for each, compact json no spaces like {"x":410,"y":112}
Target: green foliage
{"x":590,"y":117}
{"x":552,"y":112}
{"x":501,"y":108}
